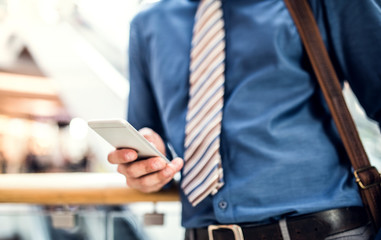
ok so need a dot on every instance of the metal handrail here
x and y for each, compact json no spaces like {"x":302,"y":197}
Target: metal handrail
{"x":75,"y":188}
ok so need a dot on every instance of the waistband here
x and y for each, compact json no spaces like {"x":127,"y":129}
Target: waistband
{"x":310,"y":226}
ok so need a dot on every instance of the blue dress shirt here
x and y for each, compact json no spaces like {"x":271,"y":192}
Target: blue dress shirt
{"x":280,"y":150}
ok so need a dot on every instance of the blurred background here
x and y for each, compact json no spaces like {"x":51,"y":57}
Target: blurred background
{"x":63,"y":62}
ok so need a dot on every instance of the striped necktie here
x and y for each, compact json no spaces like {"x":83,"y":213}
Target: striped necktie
{"x":202,"y":173}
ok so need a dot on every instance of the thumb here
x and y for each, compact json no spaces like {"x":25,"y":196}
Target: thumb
{"x":153,"y":138}
{"x":177,"y":163}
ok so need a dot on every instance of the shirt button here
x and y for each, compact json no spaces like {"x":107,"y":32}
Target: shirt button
{"x":223,"y":204}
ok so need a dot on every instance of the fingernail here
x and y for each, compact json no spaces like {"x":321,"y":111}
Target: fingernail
{"x":130,"y":156}
{"x":167,"y":172}
{"x":178,"y":163}
{"x":145,"y":131}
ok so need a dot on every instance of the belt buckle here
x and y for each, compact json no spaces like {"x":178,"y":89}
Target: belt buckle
{"x":237,"y":230}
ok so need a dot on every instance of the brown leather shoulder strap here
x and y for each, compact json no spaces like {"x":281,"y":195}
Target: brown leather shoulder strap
{"x":367,"y":176}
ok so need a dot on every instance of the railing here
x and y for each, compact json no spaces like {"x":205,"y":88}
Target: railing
{"x":74,"y":188}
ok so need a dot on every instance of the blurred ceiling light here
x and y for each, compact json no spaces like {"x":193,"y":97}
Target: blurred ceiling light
{"x":17,"y":128}
{"x":43,"y":138}
{"x":48,"y":11}
{"x":3,"y":123}
{"x":41,"y":130}
{"x":78,"y":128}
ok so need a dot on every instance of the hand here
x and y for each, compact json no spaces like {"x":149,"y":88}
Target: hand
{"x":148,"y":175}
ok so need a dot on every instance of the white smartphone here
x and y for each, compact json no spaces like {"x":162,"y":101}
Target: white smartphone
{"x":121,"y":134}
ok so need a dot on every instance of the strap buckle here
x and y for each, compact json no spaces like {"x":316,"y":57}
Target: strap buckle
{"x":358,"y":180}
{"x":237,"y":231}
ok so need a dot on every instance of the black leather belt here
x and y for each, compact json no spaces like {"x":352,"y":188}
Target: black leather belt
{"x":310,"y":226}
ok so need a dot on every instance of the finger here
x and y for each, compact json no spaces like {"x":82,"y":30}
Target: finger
{"x":155,"y":181}
{"x":142,"y":167}
{"x":148,"y":133}
{"x":148,"y":183}
{"x":122,"y":156}
{"x":177,"y":164}
{"x":153,"y":138}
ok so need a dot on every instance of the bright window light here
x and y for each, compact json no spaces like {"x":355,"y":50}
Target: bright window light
{"x":78,"y":128}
